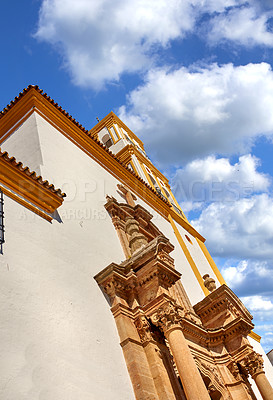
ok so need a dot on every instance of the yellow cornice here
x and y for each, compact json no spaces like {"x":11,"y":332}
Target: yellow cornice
{"x":26,"y":204}
{"x":108,"y":121}
{"x":186,"y":225}
{"x":255,"y":336}
{"x":125,"y":154}
{"x":27,"y":185}
{"x":33,"y":100}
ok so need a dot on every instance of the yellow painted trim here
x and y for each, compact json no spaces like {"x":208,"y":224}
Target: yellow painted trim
{"x":167,"y":187}
{"x":24,"y":203}
{"x":146,"y":174}
{"x":125,"y":154}
{"x":111,"y":134}
{"x":112,"y":118}
{"x":14,"y":127}
{"x":214,"y":267}
{"x":35,"y":101}
{"x":133,"y":166}
{"x":176,"y":202}
{"x":117,"y":133}
{"x":149,"y":164}
{"x":188,"y":256}
{"x":255,"y":336}
{"x":30,"y":189}
{"x":185,"y":224}
{"x":121,"y":134}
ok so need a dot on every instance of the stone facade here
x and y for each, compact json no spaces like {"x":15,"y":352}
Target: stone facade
{"x":202,"y":351}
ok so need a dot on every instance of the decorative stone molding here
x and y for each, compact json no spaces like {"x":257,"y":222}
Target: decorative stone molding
{"x":121,"y":212}
{"x":253,"y":364}
{"x":234,"y":370}
{"x":144,"y":328}
{"x":167,"y":316}
{"x":211,"y":371}
{"x":136,"y":239}
{"x":160,"y":329}
{"x":221,"y":308}
{"x":129,"y":196}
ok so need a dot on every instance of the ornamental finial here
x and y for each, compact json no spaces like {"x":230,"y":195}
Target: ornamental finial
{"x":209,"y":283}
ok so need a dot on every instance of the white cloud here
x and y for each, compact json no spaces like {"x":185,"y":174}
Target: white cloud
{"x":261,"y":308}
{"x":244,"y":25}
{"x":100,"y":40}
{"x":240,"y":229}
{"x":266,"y":327}
{"x":257,"y":303}
{"x":249,"y":276}
{"x":188,"y":113}
{"x":235,"y":275}
{"x":216,"y":179}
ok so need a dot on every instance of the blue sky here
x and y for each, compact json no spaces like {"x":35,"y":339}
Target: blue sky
{"x":193,"y":79}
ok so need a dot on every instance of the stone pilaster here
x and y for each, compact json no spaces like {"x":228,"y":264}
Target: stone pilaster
{"x":167,"y":318}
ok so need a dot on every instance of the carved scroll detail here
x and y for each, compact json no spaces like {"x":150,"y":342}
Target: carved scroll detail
{"x":144,"y":328}
{"x":212,"y":373}
{"x":167,"y":316}
{"x":253,"y":363}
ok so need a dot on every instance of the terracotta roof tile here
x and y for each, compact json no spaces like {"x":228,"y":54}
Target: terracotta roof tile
{"x":32,"y":174}
{"x":56,"y":105}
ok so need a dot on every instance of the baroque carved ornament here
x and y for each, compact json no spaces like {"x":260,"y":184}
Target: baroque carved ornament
{"x":167,"y":316}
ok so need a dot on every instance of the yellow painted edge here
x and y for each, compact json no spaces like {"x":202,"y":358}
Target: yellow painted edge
{"x":255,"y":336}
{"x":211,"y":262}
{"x":188,"y":256}
{"x":146,"y":174}
{"x":111,"y":134}
{"x":25,"y":204}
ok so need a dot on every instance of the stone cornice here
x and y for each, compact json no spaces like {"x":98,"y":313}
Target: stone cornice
{"x":220,"y":306}
{"x":148,"y":264}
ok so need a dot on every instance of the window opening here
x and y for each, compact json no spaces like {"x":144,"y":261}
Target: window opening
{"x":107,"y":140}
{"x":188,"y":239}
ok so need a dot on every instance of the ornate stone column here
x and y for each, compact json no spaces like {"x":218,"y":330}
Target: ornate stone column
{"x":253,"y":364}
{"x":136,"y":240}
{"x":167,"y":318}
{"x":152,"y":346}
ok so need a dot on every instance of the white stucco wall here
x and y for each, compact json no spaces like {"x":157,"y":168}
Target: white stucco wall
{"x":24,"y":144}
{"x":58,"y":338}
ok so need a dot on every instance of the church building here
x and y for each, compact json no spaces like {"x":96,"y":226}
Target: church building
{"x":107,"y":290}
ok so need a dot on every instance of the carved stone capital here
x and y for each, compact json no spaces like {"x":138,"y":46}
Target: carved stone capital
{"x":167,"y":316}
{"x":252,"y":364}
{"x":144,"y":328}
